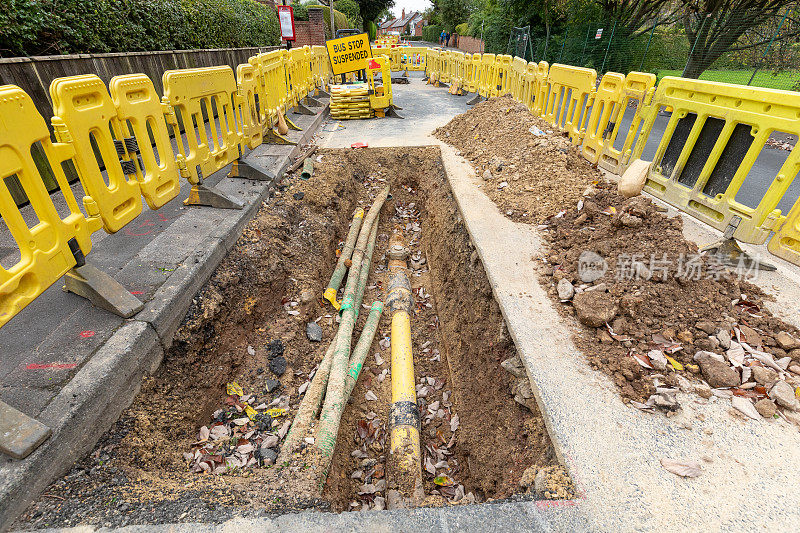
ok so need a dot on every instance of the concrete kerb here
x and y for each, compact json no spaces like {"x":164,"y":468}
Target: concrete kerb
{"x":96,"y":396}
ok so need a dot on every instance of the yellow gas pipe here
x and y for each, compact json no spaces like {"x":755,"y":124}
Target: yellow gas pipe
{"x":404,"y":418}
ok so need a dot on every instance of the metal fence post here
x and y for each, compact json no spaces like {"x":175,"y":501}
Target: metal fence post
{"x":649,"y":40}
{"x":602,"y":69}
{"x":585,"y":42}
{"x":769,"y":45}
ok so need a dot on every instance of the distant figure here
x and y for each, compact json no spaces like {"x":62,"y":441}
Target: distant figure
{"x":441,"y":38}
{"x":447,"y":38}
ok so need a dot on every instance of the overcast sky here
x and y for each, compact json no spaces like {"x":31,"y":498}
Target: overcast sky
{"x":409,"y":6}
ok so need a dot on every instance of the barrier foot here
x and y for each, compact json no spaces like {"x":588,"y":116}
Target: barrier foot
{"x":102,"y":290}
{"x":729,"y":253}
{"x":273,"y":137}
{"x":211,"y":197}
{"x":323,"y":94}
{"x":19,"y":433}
{"x":313,"y":102}
{"x":475,"y":99}
{"x":391,"y":111}
{"x":292,"y":125}
{"x":300,"y":109}
{"x":243,"y":169}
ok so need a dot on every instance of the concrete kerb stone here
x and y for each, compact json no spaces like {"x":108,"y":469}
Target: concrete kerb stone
{"x":109,"y":381}
{"x":80,"y":414}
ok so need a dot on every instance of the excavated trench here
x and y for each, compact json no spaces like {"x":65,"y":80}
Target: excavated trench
{"x":477,"y":441}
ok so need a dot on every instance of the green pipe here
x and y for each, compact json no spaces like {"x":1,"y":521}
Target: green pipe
{"x":331,"y":415}
{"x":341,"y":265}
{"x":308,"y":169}
{"x":362,"y":348}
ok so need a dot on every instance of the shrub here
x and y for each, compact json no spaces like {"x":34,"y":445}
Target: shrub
{"x":431,"y":33}
{"x":40,"y":27}
{"x":462,"y":29}
{"x":372,"y":29}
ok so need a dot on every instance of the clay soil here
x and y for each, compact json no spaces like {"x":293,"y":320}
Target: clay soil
{"x":544,"y":180}
{"x":268,"y":288}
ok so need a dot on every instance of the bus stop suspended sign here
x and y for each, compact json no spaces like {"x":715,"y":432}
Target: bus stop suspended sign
{"x":348,"y":53}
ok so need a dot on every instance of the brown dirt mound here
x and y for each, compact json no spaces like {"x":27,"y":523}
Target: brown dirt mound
{"x":657,"y":295}
{"x":529,"y":177}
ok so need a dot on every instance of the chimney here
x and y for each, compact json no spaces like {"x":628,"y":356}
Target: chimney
{"x":404,"y":14}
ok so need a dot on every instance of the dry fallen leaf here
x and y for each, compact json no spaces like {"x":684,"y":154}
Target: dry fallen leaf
{"x":682,"y":468}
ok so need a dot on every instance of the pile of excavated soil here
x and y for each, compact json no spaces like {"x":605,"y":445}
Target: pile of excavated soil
{"x":477,"y":441}
{"x":653,"y":313}
{"x":529,"y":176}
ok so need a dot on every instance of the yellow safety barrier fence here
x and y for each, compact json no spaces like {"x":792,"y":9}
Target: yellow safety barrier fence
{"x":714,"y":136}
{"x":197,"y":95}
{"x":413,"y":58}
{"x":48,"y":246}
{"x":637,"y":88}
{"x":605,"y":109}
{"x":569,"y":90}
{"x":118,"y":139}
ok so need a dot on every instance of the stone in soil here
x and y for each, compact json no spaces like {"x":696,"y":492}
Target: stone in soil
{"x":786,"y":341}
{"x":766,"y":407}
{"x":314,"y":332}
{"x":278,"y":366}
{"x":268,"y":455}
{"x":594,"y":308}
{"x":784,"y":395}
{"x":275,"y":348}
{"x":565,"y":290}
{"x":763,"y":375}
{"x":717,"y":373}
{"x":272,"y":385}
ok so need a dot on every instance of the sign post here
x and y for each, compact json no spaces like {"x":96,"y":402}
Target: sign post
{"x":286,"y":20}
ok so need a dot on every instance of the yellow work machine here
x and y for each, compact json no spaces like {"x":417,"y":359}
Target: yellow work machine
{"x":365,"y":99}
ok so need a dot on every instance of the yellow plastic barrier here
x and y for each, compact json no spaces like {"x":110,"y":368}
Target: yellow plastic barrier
{"x":540,"y":87}
{"x":193,"y":92}
{"x":714,"y":129}
{"x":84,"y":114}
{"x":273,"y":95}
{"x":502,"y":77}
{"x":487,"y":76}
{"x":44,"y":247}
{"x":139,"y":106}
{"x":569,"y":90}
{"x":605,"y":110}
{"x":432,"y":57}
{"x":252,"y":127}
{"x":320,"y":69}
{"x":786,"y":241}
{"x":519,"y":71}
{"x":637,"y":86}
{"x":444,"y":66}
{"x":413,"y":58}
{"x":472,"y":72}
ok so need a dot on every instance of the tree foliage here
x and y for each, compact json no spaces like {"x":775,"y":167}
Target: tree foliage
{"x":372,"y":9}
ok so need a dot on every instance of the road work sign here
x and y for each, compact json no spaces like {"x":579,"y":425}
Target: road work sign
{"x":348,"y":53}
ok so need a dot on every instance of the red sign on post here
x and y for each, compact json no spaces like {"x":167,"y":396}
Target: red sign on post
{"x":286,"y":20}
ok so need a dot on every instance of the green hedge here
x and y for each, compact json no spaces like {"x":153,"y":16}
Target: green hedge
{"x":44,"y":27}
{"x":431,"y":33}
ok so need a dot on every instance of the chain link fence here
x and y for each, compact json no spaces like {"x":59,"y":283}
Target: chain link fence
{"x":730,"y":50}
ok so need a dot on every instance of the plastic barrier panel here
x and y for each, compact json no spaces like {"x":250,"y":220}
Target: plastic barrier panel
{"x":85,"y":117}
{"x":636,"y":88}
{"x":197,"y":94}
{"x":43,"y":238}
{"x":502,"y":83}
{"x":519,"y":70}
{"x":252,"y":127}
{"x":270,"y":69}
{"x":485,"y":88}
{"x":712,"y":140}
{"x":786,"y":241}
{"x":472,"y":72}
{"x":540,"y":87}
{"x":569,"y":90}
{"x":413,"y":58}
{"x":444,"y":66}
{"x":605,"y":110}
{"x":139,"y":107}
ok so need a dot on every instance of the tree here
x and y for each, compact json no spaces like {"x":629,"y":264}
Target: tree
{"x":634,"y":17}
{"x":372,"y":9}
{"x":714,"y":27}
{"x":454,"y":12}
{"x":351,"y":10}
